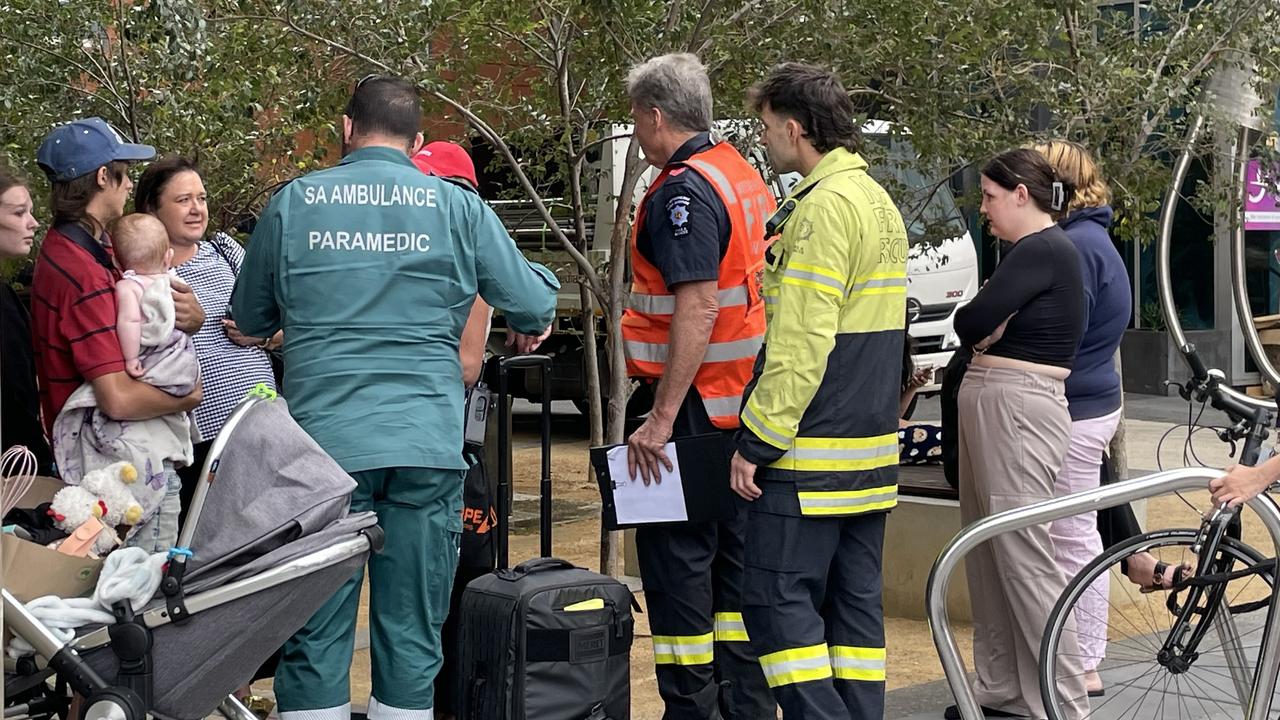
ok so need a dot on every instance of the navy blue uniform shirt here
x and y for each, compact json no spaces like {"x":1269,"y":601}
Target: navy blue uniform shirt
{"x":686,"y":227}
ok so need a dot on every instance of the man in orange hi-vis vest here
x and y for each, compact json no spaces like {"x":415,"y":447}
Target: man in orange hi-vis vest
{"x":693,"y":326}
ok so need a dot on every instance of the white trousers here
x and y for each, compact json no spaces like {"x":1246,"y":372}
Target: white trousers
{"x":1075,"y":539}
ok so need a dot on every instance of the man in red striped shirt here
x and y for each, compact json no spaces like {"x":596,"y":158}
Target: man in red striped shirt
{"x":73,"y":306}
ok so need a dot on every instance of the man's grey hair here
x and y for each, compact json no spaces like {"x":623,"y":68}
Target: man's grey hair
{"x":677,"y":84}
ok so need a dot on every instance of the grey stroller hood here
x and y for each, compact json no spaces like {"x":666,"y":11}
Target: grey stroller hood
{"x":272,"y":485}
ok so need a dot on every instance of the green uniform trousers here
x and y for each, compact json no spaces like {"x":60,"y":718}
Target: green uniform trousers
{"x":420,"y":510}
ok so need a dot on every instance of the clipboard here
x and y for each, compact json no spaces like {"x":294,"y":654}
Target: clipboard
{"x":703,"y":465}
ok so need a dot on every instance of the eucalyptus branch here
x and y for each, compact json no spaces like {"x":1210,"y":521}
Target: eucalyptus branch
{"x":86,"y":93}
{"x":673,"y":15}
{"x":750,"y":39}
{"x":1073,"y":39}
{"x":129,"y":85}
{"x":704,"y":19}
{"x":1031,"y":67}
{"x":1189,"y":78}
{"x":632,"y":54}
{"x":577,"y":99}
{"x":582,"y":153}
{"x":472,"y":119}
{"x":575,"y":171}
{"x":864,"y":90}
{"x":551,"y":39}
{"x":54,"y":54}
{"x":750,"y":6}
{"x":1158,"y":72}
{"x":105,"y":74}
{"x":633,"y":168}
{"x":545,"y":60}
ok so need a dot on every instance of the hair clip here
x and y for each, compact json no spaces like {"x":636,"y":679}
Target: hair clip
{"x":1059,"y":196}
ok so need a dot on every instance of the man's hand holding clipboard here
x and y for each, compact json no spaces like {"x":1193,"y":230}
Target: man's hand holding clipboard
{"x":646,"y":451}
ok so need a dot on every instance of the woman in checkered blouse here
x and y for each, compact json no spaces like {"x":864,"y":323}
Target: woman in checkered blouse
{"x":231,"y":364}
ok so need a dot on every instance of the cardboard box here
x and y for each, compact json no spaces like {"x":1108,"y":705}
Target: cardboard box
{"x":30,"y":571}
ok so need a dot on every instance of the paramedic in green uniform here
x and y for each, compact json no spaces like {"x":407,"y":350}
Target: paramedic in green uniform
{"x":370,"y":268}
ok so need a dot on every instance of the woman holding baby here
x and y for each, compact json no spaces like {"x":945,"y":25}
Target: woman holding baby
{"x":231,"y":364}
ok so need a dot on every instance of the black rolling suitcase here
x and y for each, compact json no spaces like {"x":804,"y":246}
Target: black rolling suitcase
{"x":544,"y":640}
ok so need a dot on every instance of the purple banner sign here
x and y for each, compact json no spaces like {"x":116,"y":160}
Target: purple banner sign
{"x":1261,"y":200}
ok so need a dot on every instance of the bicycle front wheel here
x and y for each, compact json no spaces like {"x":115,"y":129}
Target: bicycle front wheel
{"x":1103,"y":619}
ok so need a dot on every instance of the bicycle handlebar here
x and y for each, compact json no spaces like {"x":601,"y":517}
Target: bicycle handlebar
{"x":1206,"y":385}
{"x":1252,"y":420}
{"x":1198,"y":370}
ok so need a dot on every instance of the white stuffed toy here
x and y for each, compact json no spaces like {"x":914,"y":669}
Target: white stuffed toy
{"x":72,"y":507}
{"x":103,"y":494}
{"x":111,"y":485}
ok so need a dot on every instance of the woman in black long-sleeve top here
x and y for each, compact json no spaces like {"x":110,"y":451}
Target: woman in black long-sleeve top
{"x":21,"y":418}
{"x":1024,"y":327}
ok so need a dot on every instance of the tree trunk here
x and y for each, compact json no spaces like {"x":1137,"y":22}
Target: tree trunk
{"x":1117,"y":451}
{"x":611,"y":555}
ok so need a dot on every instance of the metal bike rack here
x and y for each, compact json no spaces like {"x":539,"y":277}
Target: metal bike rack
{"x":1231,"y":96}
{"x":1268,"y":663}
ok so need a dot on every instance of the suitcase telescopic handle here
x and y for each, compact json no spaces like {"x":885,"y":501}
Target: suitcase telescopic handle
{"x":505,"y":365}
{"x":524,"y":361}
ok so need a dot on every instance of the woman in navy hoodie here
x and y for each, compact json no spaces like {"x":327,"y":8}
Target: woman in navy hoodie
{"x":1093,"y":390}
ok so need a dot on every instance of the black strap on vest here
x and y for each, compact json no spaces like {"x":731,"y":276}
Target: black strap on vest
{"x":778,"y":219}
{"x":783,"y":213}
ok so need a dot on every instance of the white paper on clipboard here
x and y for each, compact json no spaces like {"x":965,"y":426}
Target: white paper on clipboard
{"x":636,"y":503}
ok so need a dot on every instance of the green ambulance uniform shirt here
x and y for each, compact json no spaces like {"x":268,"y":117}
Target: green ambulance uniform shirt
{"x":371,"y":268}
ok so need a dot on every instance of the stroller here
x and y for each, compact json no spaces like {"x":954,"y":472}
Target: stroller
{"x":270,"y":539}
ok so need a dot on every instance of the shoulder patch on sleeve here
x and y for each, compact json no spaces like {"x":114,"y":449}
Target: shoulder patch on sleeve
{"x":678,"y":213}
{"x":804,"y":232}
{"x":676,"y":171}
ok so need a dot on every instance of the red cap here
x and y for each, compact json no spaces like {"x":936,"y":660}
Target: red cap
{"x":446,"y":160}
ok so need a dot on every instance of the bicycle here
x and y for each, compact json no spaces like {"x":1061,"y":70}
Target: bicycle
{"x":1162,"y":659}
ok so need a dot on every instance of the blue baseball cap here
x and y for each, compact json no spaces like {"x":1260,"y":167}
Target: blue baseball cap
{"x":82,"y":146}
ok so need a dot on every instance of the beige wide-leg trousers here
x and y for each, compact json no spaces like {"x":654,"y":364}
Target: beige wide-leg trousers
{"x":1014,"y":429}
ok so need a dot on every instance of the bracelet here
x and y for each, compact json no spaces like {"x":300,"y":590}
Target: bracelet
{"x":265,"y":342}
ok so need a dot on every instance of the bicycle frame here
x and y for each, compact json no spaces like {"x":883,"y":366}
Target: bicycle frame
{"x":1180,"y":647}
{"x":1178,"y":650}
{"x":1268,"y":663}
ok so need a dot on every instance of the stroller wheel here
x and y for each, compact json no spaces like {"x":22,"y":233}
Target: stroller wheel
{"x":114,"y":703}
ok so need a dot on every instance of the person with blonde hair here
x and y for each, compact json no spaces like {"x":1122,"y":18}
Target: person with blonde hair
{"x":1094,"y":394}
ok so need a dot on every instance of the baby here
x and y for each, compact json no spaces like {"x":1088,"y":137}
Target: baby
{"x":158,"y":354}
{"x":144,"y":299}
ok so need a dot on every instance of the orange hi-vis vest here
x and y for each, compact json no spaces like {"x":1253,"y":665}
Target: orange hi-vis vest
{"x":739,"y":328}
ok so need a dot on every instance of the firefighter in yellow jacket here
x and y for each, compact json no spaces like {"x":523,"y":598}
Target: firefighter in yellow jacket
{"x":817,"y":454}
